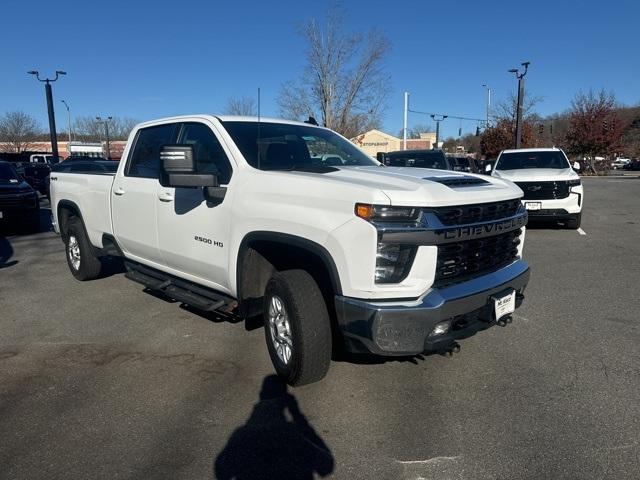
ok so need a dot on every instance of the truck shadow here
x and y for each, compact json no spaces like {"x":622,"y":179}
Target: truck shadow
{"x":276,"y":442}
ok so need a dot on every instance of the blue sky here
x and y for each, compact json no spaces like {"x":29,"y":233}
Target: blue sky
{"x":146,"y":59}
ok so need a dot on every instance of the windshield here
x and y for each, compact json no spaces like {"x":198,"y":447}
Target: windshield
{"x":428,"y":159}
{"x":281,"y":146}
{"x":8,"y":174}
{"x":518,"y":160}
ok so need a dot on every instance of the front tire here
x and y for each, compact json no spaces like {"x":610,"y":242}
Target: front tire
{"x":574,"y":222}
{"x":82,"y":261}
{"x":297,"y":327}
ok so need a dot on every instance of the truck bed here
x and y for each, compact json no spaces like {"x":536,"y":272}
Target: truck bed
{"x":90,"y":192}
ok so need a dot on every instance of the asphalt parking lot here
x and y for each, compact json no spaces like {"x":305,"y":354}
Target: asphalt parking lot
{"x":102,"y":380}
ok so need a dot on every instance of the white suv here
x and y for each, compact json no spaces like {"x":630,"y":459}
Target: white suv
{"x":551,"y":186}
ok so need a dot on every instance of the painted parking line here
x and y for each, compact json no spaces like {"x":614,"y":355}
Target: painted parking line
{"x":581,"y":231}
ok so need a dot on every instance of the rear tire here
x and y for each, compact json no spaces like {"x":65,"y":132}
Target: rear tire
{"x":574,"y":222}
{"x":297,"y":327}
{"x":82,"y":261}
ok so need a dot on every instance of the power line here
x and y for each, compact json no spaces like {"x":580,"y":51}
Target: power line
{"x":449,"y":116}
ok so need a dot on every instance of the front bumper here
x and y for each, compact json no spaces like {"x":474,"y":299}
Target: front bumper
{"x":551,"y":214}
{"x":404,"y":328}
{"x":19,"y":208}
{"x":570,"y":205}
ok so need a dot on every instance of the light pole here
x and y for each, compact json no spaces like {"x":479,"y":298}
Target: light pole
{"x":106,"y":130}
{"x":404,"y":129}
{"x":488,"y":102}
{"x":520,"y":77}
{"x":69,"y":122}
{"x":52,"y":118}
{"x":438,"y":120}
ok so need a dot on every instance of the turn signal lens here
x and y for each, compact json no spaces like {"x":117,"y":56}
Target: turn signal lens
{"x":386,"y":213}
{"x":364,"y":210}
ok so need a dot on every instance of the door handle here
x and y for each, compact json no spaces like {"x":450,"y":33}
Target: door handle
{"x":165,"y":197}
{"x":118,"y":191}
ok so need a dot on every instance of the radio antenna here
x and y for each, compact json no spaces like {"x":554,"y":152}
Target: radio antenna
{"x":258,"y":139}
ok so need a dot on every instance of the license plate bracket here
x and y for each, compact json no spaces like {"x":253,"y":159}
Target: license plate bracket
{"x":504,"y":304}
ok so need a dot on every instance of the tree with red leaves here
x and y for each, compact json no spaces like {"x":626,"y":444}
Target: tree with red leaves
{"x":594,"y":125}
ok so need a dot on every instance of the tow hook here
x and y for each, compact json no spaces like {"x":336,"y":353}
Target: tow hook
{"x":504,"y":321}
{"x":450,"y":349}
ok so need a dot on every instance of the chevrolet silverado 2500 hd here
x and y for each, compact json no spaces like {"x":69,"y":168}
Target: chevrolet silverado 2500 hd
{"x":294,"y":222}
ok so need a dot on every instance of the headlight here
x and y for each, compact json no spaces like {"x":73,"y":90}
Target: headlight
{"x":393,"y":262}
{"x":386,"y":213}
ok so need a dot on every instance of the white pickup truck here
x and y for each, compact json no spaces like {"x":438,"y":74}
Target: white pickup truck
{"x":292,"y":221}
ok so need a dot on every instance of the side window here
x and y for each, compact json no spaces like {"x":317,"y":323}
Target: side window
{"x":145,"y":159}
{"x":209,"y":155}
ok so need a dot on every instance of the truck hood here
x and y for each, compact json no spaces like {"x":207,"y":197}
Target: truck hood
{"x":536,"y":174}
{"x":411,"y":186}
{"x":14,"y":187}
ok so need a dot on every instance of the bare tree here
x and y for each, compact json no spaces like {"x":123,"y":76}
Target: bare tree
{"x":507,"y":109}
{"x":89,"y":129}
{"x":245,"y":106}
{"x":19,"y":130}
{"x":344,"y":79}
{"x":416,"y":130}
{"x":120,"y":127}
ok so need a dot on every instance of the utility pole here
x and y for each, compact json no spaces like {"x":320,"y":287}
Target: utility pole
{"x":406,"y":113}
{"x":488,"y":102}
{"x":438,"y":120}
{"x":52,"y":118}
{"x":106,"y":130}
{"x":520,"y":77}
{"x":69,"y":121}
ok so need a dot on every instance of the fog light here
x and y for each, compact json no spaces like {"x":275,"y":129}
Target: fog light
{"x":440,"y":329}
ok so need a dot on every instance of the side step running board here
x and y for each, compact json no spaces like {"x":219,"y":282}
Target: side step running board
{"x":178,"y":289}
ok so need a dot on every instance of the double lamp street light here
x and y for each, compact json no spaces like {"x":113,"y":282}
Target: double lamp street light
{"x":52,"y":119}
{"x":520,"y":77}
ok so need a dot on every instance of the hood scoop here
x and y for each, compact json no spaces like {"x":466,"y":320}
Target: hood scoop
{"x":458,"y":182}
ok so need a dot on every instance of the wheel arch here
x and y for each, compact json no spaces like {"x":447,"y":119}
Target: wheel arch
{"x":65,"y":210}
{"x":263,"y":252}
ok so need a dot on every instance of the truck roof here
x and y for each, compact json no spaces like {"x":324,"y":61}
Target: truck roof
{"x":546,"y":149}
{"x":225,"y":118}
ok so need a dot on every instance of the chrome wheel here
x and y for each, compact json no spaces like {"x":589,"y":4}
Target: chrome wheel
{"x":280,"y":329}
{"x":73,"y":250}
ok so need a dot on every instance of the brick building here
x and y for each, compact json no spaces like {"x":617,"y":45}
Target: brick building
{"x":116,"y":148}
{"x":375,"y":141}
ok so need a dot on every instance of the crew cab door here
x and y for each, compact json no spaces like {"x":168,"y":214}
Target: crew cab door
{"x":134,"y":195}
{"x":193,"y":234}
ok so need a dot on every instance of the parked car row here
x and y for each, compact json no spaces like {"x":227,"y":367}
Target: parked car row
{"x":432,"y":158}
